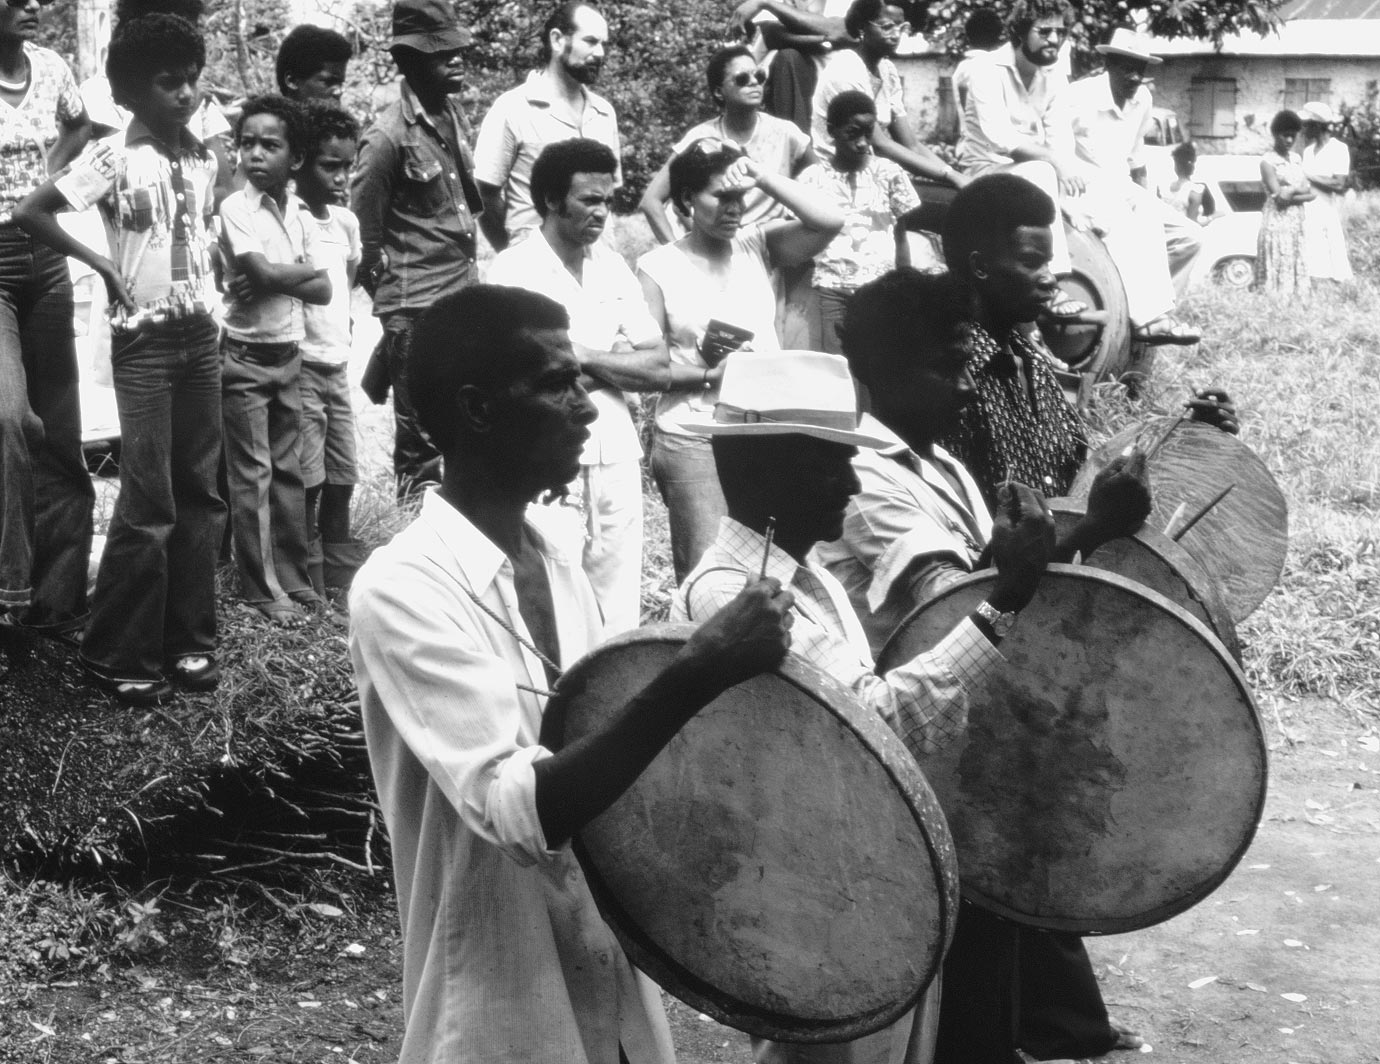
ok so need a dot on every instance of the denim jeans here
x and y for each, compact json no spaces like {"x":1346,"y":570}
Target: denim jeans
{"x":155,"y":594}
{"x":262,"y":411}
{"x":416,"y":461}
{"x":683,"y":467}
{"x":45,"y":493}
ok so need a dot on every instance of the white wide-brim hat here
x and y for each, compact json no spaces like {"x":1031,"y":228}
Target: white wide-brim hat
{"x":776,"y":393}
{"x":1317,"y":111}
{"x":1130,"y":44}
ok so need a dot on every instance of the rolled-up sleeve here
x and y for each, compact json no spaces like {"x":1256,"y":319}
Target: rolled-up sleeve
{"x":433,"y":694}
{"x":371,"y":192}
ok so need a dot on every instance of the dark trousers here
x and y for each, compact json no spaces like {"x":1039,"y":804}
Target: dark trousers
{"x":416,"y":461}
{"x":155,"y":594}
{"x":791,"y":87}
{"x":1007,"y":986}
{"x":45,"y":493}
{"x":262,"y":412}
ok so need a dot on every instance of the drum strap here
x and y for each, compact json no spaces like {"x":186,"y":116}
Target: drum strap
{"x":552,"y":668}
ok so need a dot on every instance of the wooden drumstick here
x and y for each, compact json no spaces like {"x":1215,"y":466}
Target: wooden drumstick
{"x":766,"y":550}
{"x":1174,"y":517}
{"x":1203,"y":512}
{"x":1154,"y":449}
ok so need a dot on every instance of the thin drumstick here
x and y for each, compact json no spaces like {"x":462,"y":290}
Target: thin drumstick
{"x":1203,"y":512}
{"x":1174,"y":517}
{"x":766,"y":550}
{"x":1167,"y":433}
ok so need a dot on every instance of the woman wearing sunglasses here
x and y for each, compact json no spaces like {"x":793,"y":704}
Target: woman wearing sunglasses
{"x":711,"y":292}
{"x":735,"y":85}
{"x":45,"y":493}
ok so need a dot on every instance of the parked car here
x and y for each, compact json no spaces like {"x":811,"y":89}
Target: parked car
{"x":1230,"y":234}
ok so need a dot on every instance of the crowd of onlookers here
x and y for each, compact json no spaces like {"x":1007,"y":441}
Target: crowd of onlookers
{"x":230,"y":255}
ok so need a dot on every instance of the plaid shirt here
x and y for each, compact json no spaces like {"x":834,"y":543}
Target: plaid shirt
{"x":925,"y":701}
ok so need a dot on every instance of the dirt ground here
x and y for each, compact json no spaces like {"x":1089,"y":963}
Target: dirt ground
{"x":1279,"y":965}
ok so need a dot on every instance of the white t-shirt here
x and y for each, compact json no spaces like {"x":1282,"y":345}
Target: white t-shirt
{"x":329,"y":333}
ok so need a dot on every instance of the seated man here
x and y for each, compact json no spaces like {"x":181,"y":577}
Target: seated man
{"x":1016,"y":118}
{"x":459,"y":627}
{"x":1110,"y":113}
{"x":784,"y":436}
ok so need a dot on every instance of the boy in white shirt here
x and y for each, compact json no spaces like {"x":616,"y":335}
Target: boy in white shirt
{"x":329,"y":469}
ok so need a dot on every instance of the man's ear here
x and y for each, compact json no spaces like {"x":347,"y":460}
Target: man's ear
{"x":474,"y":410}
{"x":297,"y":161}
{"x":977,"y":266}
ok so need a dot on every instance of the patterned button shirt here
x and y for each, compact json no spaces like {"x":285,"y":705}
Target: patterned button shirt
{"x":872,"y":199}
{"x":156,"y":201}
{"x":924,"y":701}
{"x":1011,"y":431}
{"x":29,"y":131}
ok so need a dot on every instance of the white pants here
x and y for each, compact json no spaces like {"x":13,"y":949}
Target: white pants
{"x":1133,"y":221}
{"x":611,"y":504}
{"x":910,"y":1040}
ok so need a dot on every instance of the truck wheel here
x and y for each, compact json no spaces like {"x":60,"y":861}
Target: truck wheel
{"x":1098,"y":352}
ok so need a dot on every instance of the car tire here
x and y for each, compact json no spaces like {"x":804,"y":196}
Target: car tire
{"x":1238,"y":271}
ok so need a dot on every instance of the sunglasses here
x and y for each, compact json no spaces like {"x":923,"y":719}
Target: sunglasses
{"x":1048,"y":32}
{"x":25,"y":3}
{"x":743,"y":79}
{"x":709,"y":146}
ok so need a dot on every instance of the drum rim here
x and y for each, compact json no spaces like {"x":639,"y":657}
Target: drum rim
{"x":1161,"y":913}
{"x":668,"y":973}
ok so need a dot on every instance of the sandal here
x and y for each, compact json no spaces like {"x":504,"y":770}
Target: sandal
{"x":308,"y":597}
{"x":1125,"y":1037}
{"x":1166,"y":330}
{"x":283,"y":613}
{"x":1064,"y":305}
{"x":195,"y":672}
{"x":138,"y":693}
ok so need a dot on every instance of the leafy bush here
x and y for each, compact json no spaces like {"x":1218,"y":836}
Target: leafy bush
{"x":1361,"y":130}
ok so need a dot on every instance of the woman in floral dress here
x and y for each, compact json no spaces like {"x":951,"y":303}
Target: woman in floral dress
{"x":1280,"y":264}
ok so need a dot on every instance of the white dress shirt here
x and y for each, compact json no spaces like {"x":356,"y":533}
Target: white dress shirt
{"x":605,"y":303}
{"x":505,"y":957}
{"x":1108,"y":138}
{"x":1001,"y":114}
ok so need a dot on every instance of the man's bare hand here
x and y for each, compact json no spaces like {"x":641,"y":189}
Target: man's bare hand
{"x":1022,"y":545}
{"x":747,"y":637}
{"x":1214,"y":407}
{"x":1119,"y":501}
{"x":739,"y":23}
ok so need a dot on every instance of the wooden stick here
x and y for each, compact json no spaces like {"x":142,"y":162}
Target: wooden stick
{"x":766,"y":550}
{"x":1174,"y":517}
{"x":1203,"y":512}
{"x":1154,"y":449}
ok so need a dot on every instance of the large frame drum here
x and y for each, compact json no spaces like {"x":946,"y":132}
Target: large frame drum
{"x":1113,"y":770}
{"x":782,"y":864}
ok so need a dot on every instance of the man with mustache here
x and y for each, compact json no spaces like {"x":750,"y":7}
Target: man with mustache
{"x":619,"y":346}
{"x":553,"y":104}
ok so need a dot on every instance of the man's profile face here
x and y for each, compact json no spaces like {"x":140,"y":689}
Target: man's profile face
{"x":1015,"y":276}
{"x":541,"y":418}
{"x":882,"y":35}
{"x":582,"y":215}
{"x":922,"y":394}
{"x":582,"y":52}
{"x":1043,"y":40}
{"x":807,"y":484}
{"x":1126,"y":75}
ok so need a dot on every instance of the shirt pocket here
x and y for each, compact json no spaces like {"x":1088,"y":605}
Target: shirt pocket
{"x":424,"y":182}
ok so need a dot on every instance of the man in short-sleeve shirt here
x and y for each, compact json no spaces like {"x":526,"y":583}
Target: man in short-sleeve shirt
{"x":553,"y":104}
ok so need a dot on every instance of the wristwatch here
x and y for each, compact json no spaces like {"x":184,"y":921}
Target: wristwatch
{"x":1000,"y":623}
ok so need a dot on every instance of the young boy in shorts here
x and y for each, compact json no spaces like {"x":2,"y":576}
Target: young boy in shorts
{"x":271,"y":250}
{"x":328,"y":422}
{"x":311,"y":64}
{"x":153,"y":616}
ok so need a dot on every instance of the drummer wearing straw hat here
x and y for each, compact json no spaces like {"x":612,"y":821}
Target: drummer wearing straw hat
{"x":458,"y":629}
{"x":784,"y":433}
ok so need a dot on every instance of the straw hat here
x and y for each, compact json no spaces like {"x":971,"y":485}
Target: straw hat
{"x":1130,"y":44}
{"x":775,"y":393}
{"x":1317,"y":111}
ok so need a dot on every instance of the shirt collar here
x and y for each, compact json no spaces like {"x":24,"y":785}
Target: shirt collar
{"x":743,"y":548}
{"x":475,"y":554}
{"x":1103,"y":100}
{"x":412,"y":109}
{"x":1005,"y":56}
{"x":255,"y":198}
{"x":539,"y":90}
{"x":137,"y":132}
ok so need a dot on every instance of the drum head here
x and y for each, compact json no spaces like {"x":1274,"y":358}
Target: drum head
{"x":1153,"y":559}
{"x":1243,"y":539}
{"x":1112,"y":772}
{"x":782,"y":864}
